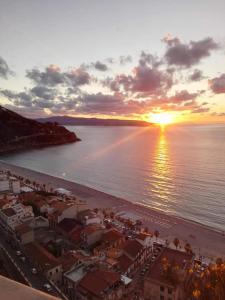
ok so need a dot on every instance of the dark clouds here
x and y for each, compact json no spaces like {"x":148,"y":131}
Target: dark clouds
{"x":217,"y":84}
{"x":187,"y":55}
{"x":4,"y":69}
{"x":196,"y":75}
{"x":147,"y":78}
{"x":52,"y":76}
{"x":100,"y":66}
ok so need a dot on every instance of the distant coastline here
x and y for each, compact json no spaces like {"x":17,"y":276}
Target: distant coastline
{"x":74,"y":121}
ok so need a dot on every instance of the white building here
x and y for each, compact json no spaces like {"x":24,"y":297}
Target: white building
{"x":8,"y":217}
{"x":4,"y":186}
{"x":15,"y":214}
{"x":14,"y":185}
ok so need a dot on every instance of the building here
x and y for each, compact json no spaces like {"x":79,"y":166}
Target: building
{"x":8,"y":217}
{"x":135,"y":252}
{"x":113,"y":238}
{"x":145,"y":239}
{"x":4,"y":186}
{"x":92,"y":234}
{"x":24,"y":234}
{"x":67,"y":226}
{"x":100,"y":284}
{"x":167,"y":275}
{"x":44,"y":261}
{"x":14,"y":185}
{"x":89,"y":216}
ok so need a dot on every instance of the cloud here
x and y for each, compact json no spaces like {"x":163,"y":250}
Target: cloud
{"x":4,"y":69}
{"x":217,"y":84}
{"x":18,"y":99}
{"x":125,"y":59}
{"x":146,"y":78}
{"x":187,"y":55}
{"x":43,"y":92}
{"x":196,"y":75}
{"x":100,"y":66}
{"x":53,"y":76}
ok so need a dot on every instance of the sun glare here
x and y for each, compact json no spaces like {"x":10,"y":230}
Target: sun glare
{"x":162,"y":118}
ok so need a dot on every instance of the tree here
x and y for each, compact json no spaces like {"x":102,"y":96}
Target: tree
{"x":211,"y":284}
{"x":176,"y":242}
{"x":156,"y":234}
{"x":187,"y":248}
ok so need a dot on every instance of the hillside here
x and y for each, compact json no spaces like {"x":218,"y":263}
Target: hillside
{"x":19,"y":133}
{"x":66,"y":120}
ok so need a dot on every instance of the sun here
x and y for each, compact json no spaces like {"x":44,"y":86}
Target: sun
{"x":163,"y":118}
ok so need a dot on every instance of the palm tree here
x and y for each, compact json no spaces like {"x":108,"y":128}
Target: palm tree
{"x":176,"y":242}
{"x":187,"y":248}
{"x":156,"y":234}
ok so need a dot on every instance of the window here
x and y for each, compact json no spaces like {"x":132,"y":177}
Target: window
{"x":57,"y":270}
{"x":170,"y":291}
{"x":161,"y":288}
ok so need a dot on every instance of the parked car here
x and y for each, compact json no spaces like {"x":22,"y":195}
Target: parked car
{"x":47,"y":287}
{"x":34,"y":271}
{"x":18,"y":253}
{"x":23,"y":258}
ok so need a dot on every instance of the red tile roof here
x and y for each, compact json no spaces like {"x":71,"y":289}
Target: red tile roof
{"x":67,"y":225}
{"x":112,"y":236}
{"x":98,"y":281}
{"x":132,"y":248}
{"x":124,"y":262}
{"x":89,"y":229}
{"x":68,"y":260}
{"x":41,"y":255}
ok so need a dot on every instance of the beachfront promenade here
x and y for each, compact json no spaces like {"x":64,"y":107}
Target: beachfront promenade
{"x":204,"y":240}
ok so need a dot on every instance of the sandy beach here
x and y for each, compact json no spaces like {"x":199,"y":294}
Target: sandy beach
{"x":204,"y":240}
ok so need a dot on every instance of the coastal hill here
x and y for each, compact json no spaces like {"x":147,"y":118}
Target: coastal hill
{"x":67,"y":120}
{"x":20,"y":133}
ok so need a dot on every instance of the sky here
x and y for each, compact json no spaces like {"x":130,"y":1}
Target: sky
{"x":114,"y":59}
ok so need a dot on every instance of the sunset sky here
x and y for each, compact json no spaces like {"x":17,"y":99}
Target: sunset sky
{"x":116,"y":59}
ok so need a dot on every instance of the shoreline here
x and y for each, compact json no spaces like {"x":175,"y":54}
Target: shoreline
{"x":204,"y":239}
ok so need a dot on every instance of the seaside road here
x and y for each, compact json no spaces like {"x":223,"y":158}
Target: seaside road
{"x":24,"y":268}
{"x":203,"y":239}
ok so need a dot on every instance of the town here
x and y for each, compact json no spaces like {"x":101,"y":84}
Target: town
{"x":52,"y":241}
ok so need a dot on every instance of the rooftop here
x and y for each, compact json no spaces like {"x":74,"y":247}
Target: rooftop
{"x":9,"y":212}
{"x":98,"y":281}
{"x":91,"y":228}
{"x":132,"y":248}
{"x":112,"y":236}
{"x":22,"y":228}
{"x":67,"y":225}
{"x":41,"y":255}
{"x":124,"y":262}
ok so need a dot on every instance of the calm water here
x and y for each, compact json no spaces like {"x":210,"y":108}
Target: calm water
{"x":180,"y":171}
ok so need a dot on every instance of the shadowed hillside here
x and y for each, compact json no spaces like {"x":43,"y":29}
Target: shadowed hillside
{"x":19,"y":133}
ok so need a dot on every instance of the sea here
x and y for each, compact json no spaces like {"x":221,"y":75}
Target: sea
{"x":179,"y":170}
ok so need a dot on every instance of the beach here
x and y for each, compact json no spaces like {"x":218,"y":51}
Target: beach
{"x":205,"y":241}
